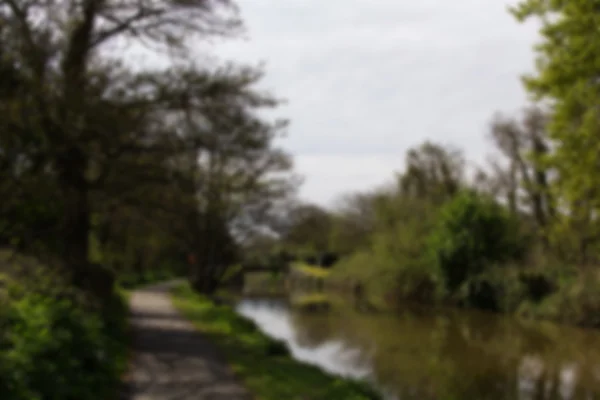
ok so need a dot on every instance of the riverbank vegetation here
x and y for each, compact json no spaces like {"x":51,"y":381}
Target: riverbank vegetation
{"x":112,"y":175}
{"x":264,"y":364}
{"x":518,"y":235}
{"x":495,"y":242}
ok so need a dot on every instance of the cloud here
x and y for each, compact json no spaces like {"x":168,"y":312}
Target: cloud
{"x":342,"y":172}
{"x":368,"y":79}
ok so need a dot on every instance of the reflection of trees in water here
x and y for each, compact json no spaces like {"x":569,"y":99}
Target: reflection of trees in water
{"x":313,"y":330}
{"x":504,"y":346}
{"x":320,"y":332}
{"x":434,"y":354}
{"x":463,"y":354}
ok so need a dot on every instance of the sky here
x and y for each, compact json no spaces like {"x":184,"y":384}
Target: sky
{"x":365,"y":80}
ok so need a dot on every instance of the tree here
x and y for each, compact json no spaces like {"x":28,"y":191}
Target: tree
{"x":567,"y":79}
{"x":308,"y":229}
{"x":144,"y":162}
{"x":238,"y":172}
{"x":526,"y":147}
{"x":59,"y":49}
{"x":432,"y":172}
{"x":472,"y":233}
{"x":353,"y":222}
{"x":213,"y":164}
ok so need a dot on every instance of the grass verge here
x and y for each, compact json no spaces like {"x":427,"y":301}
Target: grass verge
{"x":264,"y":364}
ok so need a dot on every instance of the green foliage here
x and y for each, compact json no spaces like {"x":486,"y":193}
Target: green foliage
{"x":29,"y":214}
{"x":576,"y":301}
{"x":499,"y":288}
{"x":568,"y":56}
{"x":53,"y":346}
{"x":103,"y":163}
{"x":353,"y":223}
{"x":308,"y":229}
{"x":433,"y":172}
{"x":264,"y":283}
{"x":395,"y":261}
{"x":263,"y":363}
{"x":131,"y":279}
{"x":472,"y":232}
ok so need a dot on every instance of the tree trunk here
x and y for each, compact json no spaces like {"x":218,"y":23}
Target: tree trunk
{"x":76,"y":233}
{"x":72,"y":163}
{"x":95,"y":280}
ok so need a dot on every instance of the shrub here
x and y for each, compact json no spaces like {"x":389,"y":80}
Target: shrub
{"x":576,"y":301}
{"x":472,"y":232}
{"x":500,"y":288}
{"x":539,"y":285}
{"x":54,"y":345}
{"x":417,"y":283}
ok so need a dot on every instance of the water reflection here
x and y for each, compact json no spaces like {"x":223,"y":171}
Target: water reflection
{"x":450,"y":354}
{"x":314,"y":347}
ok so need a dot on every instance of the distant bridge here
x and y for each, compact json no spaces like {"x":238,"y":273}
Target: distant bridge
{"x":237,"y":279}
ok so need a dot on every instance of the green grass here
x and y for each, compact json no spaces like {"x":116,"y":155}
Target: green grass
{"x":316,"y":272}
{"x":264,"y":364}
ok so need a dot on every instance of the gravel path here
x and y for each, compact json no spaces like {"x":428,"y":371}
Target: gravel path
{"x":172,"y":361}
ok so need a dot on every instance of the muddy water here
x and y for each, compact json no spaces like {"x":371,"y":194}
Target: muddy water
{"x":433,"y":354}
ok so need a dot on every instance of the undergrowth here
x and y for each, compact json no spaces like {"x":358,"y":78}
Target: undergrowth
{"x":56,"y":344}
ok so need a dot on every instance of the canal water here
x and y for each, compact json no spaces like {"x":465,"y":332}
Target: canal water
{"x":439,"y":354}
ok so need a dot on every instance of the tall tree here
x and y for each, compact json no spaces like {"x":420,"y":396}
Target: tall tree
{"x":432,"y":172}
{"x":308,"y":229}
{"x":67,"y":78}
{"x":567,"y":78}
{"x":526,"y":147}
{"x":239,"y":172}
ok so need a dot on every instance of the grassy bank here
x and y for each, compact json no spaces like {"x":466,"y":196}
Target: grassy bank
{"x":264,"y":364}
{"x":310,"y":271}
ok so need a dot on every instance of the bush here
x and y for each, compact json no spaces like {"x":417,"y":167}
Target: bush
{"x":500,"y":288}
{"x":576,"y":301}
{"x":417,"y":283}
{"x":472,"y":233}
{"x":54,"y":346}
{"x":539,"y":285}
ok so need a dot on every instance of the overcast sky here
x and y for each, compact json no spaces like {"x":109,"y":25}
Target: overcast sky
{"x":367,"y":79}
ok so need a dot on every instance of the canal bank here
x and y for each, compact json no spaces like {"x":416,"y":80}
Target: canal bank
{"x":415,"y":351}
{"x":264,"y":364}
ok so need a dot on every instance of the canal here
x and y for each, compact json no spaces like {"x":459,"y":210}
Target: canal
{"x":439,"y":354}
